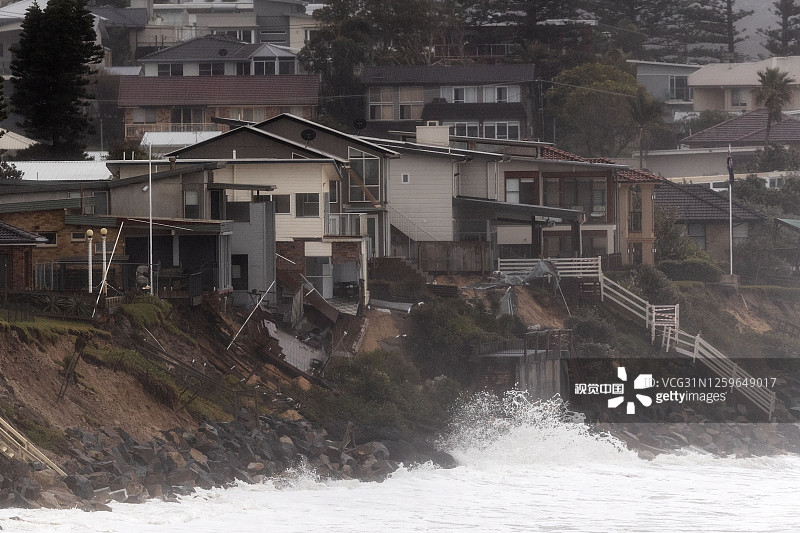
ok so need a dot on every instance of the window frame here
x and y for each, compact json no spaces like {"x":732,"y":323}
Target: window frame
{"x":303,"y":200}
{"x":358,"y":159}
{"x":379,"y":105}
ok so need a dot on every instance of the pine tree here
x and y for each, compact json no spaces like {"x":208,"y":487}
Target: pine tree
{"x":7,"y":170}
{"x":785,"y":39}
{"x":50,"y":73}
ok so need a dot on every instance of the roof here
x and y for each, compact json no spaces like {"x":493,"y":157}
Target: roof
{"x":699,"y":203}
{"x":12,"y":235}
{"x":176,"y":139}
{"x":742,"y":74}
{"x":792,"y":224}
{"x":448,"y":75}
{"x":317,"y":126}
{"x":14,"y":141}
{"x":136,"y":91}
{"x":216,"y":47}
{"x":63,"y":170}
{"x":630,"y":175}
{"x":129,"y":17}
{"x":747,"y":129}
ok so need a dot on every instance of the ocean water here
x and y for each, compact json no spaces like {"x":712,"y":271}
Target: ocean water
{"x":522,"y":468}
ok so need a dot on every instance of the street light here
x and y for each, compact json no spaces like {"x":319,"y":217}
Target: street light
{"x":103,"y":232}
{"x":89,"y":235}
{"x":150,"y":193}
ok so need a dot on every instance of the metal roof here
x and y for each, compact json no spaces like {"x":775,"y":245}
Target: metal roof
{"x":742,"y":74}
{"x":789,"y":223}
{"x":63,"y":170}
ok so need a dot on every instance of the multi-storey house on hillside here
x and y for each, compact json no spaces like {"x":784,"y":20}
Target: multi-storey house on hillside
{"x":185,"y":86}
{"x":492,"y":100}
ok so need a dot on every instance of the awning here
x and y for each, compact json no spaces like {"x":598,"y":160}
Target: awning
{"x":507,"y":212}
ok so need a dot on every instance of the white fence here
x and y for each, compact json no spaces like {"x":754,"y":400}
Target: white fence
{"x":734,"y":375}
{"x":569,"y":267}
{"x":658,"y":319}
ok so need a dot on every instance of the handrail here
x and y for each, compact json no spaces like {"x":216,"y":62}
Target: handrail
{"x":408,"y":226}
{"x":13,"y":438}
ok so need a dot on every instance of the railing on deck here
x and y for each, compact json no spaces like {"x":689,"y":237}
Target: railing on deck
{"x":569,"y":267}
{"x":347,"y":224}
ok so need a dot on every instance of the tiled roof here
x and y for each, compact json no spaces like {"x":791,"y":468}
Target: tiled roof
{"x":13,"y":235}
{"x":448,"y":75}
{"x":555,"y":154}
{"x":219,"y":90}
{"x":747,"y":129}
{"x":696,"y":202}
{"x":634,"y":175}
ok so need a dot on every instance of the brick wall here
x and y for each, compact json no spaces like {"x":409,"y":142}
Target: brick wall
{"x":294,"y":251}
{"x":19,"y":273}
{"x":346,"y":252}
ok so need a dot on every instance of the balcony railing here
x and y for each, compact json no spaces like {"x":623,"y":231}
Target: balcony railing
{"x":138,"y":130}
{"x":472,"y":50}
{"x":347,"y":224}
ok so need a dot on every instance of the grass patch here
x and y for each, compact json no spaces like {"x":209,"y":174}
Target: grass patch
{"x":36,"y":429}
{"x":49,"y":330}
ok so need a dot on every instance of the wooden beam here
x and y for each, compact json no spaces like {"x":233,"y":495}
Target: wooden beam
{"x":355,"y":177}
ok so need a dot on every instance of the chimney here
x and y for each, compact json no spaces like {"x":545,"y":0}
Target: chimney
{"x":172,"y":162}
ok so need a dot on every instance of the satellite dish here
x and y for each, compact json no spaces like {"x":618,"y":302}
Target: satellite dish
{"x":308,"y":134}
{"x":359,"y":123}
{"x":223,"y":52}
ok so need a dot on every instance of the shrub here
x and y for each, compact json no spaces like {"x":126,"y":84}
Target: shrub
{"x":692,"y":269}
{"x":653,"y":285}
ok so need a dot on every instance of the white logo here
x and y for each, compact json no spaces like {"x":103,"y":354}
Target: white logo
{"x":642,"y":381}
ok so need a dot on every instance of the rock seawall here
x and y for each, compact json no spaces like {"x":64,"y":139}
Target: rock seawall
{"x":110,"y":465}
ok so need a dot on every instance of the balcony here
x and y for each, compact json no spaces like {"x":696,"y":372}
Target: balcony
{"x":347,"y":224}
{"x":136,"y":131}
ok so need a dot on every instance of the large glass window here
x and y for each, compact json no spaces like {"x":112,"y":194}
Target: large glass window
{"x":191,"y":204}
{"x":287,"y":65}
{"x":410,"y":103}
{"x":264,"y":66}
{"x":380,"y":103}
{"x":460,"y":95}
{"x":144,"y":115}
{"x":367,"y":167}
{"x":521,"y":191}
{"x":464,"y":129}
{"x":186,"y":115}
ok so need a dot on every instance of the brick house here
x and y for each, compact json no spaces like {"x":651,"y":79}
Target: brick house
{"x":16,"y":264}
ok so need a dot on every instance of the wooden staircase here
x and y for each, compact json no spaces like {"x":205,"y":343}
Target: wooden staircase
{"x":15,"y":445}
{"x":658,"y":320}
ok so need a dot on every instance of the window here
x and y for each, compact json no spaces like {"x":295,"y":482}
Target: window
{"x":242,"y":68}
{"x":212,"y":69}
{"x":333,"y":187}
{"x":460,"y":95}
{"x":75,"y":236}
{"x":241,"y":35}
{"x":380,"y":103}
{"x":170,"y":69}
{"x":410,"y":103}
{"x":101,"y":203}
{"x":738,"y":97}
{"x":307,"y":204}
{"x":144,"y":115}
{"x":501,"y":94}
{"x":309,"y":34}
{"x":679,"y":88}
{"x":521,"y":191}
{"x":287,"y":66}
{"x":239,"y":272}
{"x":191,"y":204}
{"x":697,"y":234}
{"x":186,"y":115}
{"x":635,"y":206}
{"x":464,"y":129}
{"x":552,"y":193}
{"x":405,"y":178}
{"x":263,"y":66}
{"x":52,"y":237}
{"x":250,"y":114}
{"x":283,"y":203}
{"x":501,"y":130}
{"x":367,"y":167}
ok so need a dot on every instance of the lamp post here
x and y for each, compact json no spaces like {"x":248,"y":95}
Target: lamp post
{"x":103,"y":232}
{"x":89,"y":235}
{"x":150,"y":202}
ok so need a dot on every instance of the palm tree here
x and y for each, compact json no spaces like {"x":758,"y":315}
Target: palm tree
{"x":774,"y":93}
{"x":646,"y":113}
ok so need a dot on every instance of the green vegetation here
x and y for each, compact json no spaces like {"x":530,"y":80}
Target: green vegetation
{"x":49,"y":330}
{"x":35,"y":428}
{"x":691,"y":269}
{"x":380,"y":388}
{"x":153,"y":378}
